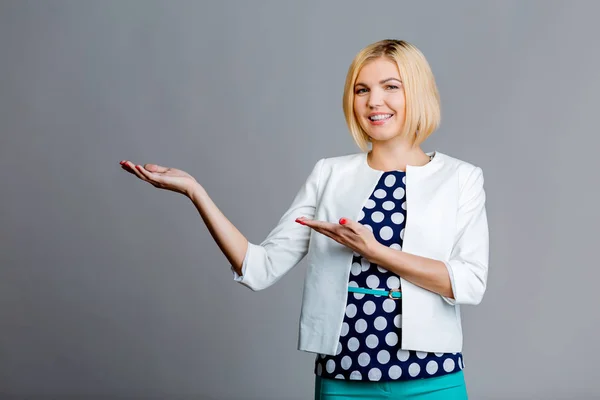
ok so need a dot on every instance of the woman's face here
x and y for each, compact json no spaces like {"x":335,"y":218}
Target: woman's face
{"x":379,"y":101}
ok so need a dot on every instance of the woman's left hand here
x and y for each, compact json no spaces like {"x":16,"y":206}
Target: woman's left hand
{"x":349,"y":233}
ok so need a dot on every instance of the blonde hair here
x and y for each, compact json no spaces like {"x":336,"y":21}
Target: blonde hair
{"x":422,"y":115}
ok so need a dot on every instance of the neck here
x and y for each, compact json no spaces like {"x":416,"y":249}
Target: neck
{"x":387,"y":158}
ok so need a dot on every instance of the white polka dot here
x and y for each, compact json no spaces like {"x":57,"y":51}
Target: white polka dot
{"x":395,"y":372}
{"x":330,"y":366}
{"x":353,"y":284}
{"x":389,"y":305}
{"x":339,"y":349}
{"x":350,"y":310}
{"x":460,"y":363}
{"x":353,"y":344}
{"x":398,"y":193}
{"x":393,"y":282}
{"x":355,"y":376}
{"x":432,"y":367}
{"x":346,"y":362}
{"x":388,"y":205}
{"x":402,"y":234}
{"x":370,"y":204}
{"x":339,"y":376}
{"x":403,"y":355}
{"x":380,"y":193}
{"x":391,"y":338}
{"x":382,"y":270}
{"x":374,"y":374}
{"x":396,"y":246}
{"x":404,"y":206}
{"x":380,"y":323}
{"x":360,"y":325}
{"x":345,"y":329}
{"x":361,"y":215}
{"x":439,"y":354}
{"x":369,"y":227}
{"x":383,"y":357}
{"x":372,"y":341}
{"x":322,"y":356}
{"x":421,"y":354}
{"x":449,"y":365}
{"x":365,"y":264}
{"x":386,"y":233}
{"x":364,"y":359}
{"x":355,"y":269}
{"x":358,"y":296}
{"x":389,"y":180}
{"x":373,"y":281}
{"x":404,"y":179}
{"x":414,"y":369}
{"x":319,"y":369}
{"x":377,"y":216}
{"x":369,"y":307}
{"x":398,"y":321}
{"x":397,"y":218}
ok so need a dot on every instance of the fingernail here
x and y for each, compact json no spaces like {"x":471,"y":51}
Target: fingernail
{"x":343,"y":221}
{"x":299,"y":221}
{"x":138,"y":167}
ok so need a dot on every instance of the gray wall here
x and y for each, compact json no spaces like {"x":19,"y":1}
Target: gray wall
{"x":110,"y":288}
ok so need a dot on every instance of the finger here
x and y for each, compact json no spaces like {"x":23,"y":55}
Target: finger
{"x":348,"y":223}
{"x":155,"y":168}
{"x":134,"y":170}
{"x":317,"y":224}
{"x":147,"y":175}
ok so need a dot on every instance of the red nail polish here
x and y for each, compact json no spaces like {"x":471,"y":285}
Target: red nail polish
{"x":343,"y":221}
{"x":138,"y":167}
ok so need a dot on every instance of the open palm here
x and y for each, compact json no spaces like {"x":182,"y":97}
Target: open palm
{"x":161,"y":177}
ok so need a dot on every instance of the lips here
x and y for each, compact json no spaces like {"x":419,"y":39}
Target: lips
{"x":379,"y":119}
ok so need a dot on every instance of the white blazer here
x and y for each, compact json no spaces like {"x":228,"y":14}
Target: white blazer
{"x":446,"y":220}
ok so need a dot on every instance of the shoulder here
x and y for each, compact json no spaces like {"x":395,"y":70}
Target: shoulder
{"x":469,"y":176}
{"x":344,"y":159}
{"x":350,"y":161}
{"x":464,"y":169}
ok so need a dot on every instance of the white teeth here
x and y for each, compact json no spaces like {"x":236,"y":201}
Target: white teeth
{"x":380,"y":117}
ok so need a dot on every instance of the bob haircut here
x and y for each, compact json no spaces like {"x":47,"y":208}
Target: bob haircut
{"x":422,"y":114}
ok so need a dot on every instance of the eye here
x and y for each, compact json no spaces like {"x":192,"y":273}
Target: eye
{"x":392,"y":87}
{"x":360,"y":91}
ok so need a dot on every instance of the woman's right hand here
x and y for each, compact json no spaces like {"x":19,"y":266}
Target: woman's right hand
{"x":171,"y":179}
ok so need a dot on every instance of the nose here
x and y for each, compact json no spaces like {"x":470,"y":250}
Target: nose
{"x":375,"y":99}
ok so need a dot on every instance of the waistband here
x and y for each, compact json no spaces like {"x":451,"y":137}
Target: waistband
{"x":394,"y":294}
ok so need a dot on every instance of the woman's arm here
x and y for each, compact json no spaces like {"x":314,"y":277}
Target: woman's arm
{"x":425,"y":272}
{"x":461,"y":279}
{"x":229,"y":239}
{"x":256,"y":266}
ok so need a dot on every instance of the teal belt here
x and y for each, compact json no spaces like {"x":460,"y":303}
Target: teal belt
{"x":393,"y":294}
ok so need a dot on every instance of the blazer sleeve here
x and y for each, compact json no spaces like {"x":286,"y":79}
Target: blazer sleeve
{"x":286,"y":245}
{"x":468,"y":263}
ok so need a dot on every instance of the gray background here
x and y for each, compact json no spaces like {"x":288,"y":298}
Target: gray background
{"x":110,"y":288}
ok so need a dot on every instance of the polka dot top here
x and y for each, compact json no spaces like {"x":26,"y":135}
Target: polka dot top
{"x":369,"y":344}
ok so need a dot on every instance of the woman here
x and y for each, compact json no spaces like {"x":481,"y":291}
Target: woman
{"x":409,"y":245}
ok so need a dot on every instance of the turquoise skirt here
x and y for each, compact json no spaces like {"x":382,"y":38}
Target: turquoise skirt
{"x":445,"y":387}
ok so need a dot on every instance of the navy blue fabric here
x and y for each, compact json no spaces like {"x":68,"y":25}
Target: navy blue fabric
{"x":369,"y":346}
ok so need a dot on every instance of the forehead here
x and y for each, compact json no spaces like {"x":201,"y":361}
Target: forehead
{"x":378,"y":69}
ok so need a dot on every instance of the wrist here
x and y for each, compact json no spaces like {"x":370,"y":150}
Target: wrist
{"x":195,"y":192}
{"x":374,"y":252}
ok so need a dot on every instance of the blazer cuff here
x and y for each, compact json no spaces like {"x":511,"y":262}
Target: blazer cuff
{"x":240,"y":278}
{"x":451,"y":275}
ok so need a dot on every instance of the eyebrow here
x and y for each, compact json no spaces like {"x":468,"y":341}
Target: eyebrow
{"x":380,"y":82}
